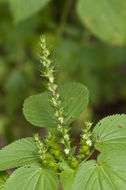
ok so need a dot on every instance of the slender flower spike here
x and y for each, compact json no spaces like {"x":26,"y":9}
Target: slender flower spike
{"x":55,"y":96}
{"x":40,"y":146}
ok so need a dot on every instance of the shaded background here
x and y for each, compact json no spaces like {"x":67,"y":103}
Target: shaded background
{"x":79,"y":53}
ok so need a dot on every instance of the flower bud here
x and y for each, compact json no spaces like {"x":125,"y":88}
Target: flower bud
{"x":66,"y":137}
{"x":89,"y":142}
{"x":66,"y":151}
{"x":51,"y":79}
{"x":84,"y":136}
{"x":61,"y":119}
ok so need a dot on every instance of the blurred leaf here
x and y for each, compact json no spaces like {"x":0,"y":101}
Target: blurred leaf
{"x":89,"y":65}
{"x":106,"y":19}
{"x":15,"y":88}
{"x":38,"y":110}
{"x":33,"y":178}
{"x":22,"y":9}
{"x":15,"y":83}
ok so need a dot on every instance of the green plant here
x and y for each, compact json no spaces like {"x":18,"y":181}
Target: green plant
{"x":43,"y":163}
{"x":79,"y":52}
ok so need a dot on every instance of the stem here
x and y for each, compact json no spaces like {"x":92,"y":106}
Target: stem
{"x":88,"y":156}
{"x":64,"y":18}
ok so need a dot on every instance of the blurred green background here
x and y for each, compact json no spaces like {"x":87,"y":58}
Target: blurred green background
{"x":85,"y":49}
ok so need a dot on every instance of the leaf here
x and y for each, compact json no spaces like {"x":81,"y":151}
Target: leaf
{"x":3,"y":178}
{"x":67,"y":178}
{"x":19,"y":153}
{"x":64,"y":165}
{"x":38,"y":110}
{"x":33,"y":178}
{"x":108,"y":173}
{"x":106,"y":19}
{"x":110,"y":133}
{"x":22,"y":9}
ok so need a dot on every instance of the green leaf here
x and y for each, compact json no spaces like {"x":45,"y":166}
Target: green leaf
{"x":19,"y":153}
{"x":34,"y":178}
{"x":67,"y":178}
{"x":22,"y":9}
{"x":106,"y":19}
{"x":64,"y":165}
{"x":108,"y":173}
{"x":38,"y":110}
{"x":3,"y":178}
{"x":110,"y":133}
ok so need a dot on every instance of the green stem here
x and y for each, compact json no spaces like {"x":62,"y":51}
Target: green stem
{"x":64,"y":18}
{"x":88,"y":156}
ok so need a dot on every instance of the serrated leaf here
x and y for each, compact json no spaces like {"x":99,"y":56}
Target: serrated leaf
{"x":67,"y":178}
{"x":38,"y":110}
{"x":108,"y":173}
{"x":110,"y":133}
{"x":19,"y":153}
{"x":3,"y":178}
{"x":33,"y":178}
{"x":22,"y":9}
{"x":106,"y":19}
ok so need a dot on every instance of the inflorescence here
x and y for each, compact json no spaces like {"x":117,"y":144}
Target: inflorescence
{"x":48,"y":72}
{"x":86,"y":141}
{"x":49,"y":149}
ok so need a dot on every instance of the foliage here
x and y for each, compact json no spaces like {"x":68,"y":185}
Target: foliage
{"x":89,"y":42}
{"x":106,"y":19}
{"x":110,"y":132}
{"x":33,"y":178}
{"x":67,"y":178}
{"x":81,"y":54}
{"x":19,"y":153}
{"x":105,"y":173}
{"x":42,"y":163}
{"x":44,"y":114}
{"x":22,"y":9}
{"x":3,"y":178}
